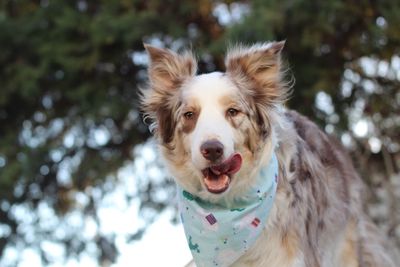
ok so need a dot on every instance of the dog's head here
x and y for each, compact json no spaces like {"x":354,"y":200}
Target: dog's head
{"x":215,"y":130}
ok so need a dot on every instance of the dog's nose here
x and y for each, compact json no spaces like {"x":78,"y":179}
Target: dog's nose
{"x":212,"y":150}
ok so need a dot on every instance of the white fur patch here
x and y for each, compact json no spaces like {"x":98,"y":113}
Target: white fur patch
{"x":208,"y":90}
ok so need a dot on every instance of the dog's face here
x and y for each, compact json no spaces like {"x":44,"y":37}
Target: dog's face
{"x":215,"y":130}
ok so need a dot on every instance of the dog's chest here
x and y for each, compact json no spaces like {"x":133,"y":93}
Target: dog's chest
{"x":272,"y":251}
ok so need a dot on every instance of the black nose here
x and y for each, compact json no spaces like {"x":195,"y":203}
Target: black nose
{"x":212,"y":150}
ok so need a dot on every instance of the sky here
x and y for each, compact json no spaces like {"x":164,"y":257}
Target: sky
{"x":163,"y":244}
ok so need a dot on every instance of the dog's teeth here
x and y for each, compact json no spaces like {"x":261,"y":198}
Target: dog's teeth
{"x":216,"y":172}
{"x":217,"y":184}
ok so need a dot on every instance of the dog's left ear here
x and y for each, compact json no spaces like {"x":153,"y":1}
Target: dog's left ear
{"x":257,"y":70}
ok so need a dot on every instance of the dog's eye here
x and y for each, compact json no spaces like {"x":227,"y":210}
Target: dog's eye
{"x":188,"y":115}
{"x":232,"y":112}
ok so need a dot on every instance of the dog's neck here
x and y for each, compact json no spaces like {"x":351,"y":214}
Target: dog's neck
{"x":238,"y":227}
{"x":278,"y":220}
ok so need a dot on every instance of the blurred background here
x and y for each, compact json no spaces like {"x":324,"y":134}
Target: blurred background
{"x":80,"y":181}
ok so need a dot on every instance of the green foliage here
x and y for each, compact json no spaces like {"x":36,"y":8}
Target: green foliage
{"x":70,"y":72}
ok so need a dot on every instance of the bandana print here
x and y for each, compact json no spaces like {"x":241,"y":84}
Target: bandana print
{"x":217,"y":235}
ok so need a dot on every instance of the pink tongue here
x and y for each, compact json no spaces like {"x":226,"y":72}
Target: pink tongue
{"x":230,"y":166}
{"x":217,"y":179}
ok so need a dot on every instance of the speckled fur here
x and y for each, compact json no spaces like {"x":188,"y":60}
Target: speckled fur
{"x":317,"y":218}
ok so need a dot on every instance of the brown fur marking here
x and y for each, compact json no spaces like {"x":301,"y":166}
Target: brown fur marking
{"x":167,"y":73}
{"x":189,"y":124}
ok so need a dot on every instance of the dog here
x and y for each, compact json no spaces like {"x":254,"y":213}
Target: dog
{"x":216,"y":131}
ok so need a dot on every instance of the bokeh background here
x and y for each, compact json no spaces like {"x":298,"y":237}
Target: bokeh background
{"x":80,"y":181}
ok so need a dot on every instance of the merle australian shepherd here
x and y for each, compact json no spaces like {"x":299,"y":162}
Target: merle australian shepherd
{"x":237,"y":118}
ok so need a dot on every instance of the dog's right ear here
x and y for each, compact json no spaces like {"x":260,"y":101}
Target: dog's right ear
{"x":167,"y":71}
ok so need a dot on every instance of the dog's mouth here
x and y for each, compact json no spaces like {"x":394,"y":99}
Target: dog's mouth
{"x":218,"y":177}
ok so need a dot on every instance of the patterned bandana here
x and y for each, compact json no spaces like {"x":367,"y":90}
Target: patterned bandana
{"x":218,"y":235}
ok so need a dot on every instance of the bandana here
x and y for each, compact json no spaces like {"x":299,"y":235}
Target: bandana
{"x":217,"y":235}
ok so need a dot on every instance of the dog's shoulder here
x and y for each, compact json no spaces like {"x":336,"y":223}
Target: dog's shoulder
{"x":311,"y":139}
{"x":322,"y":161}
